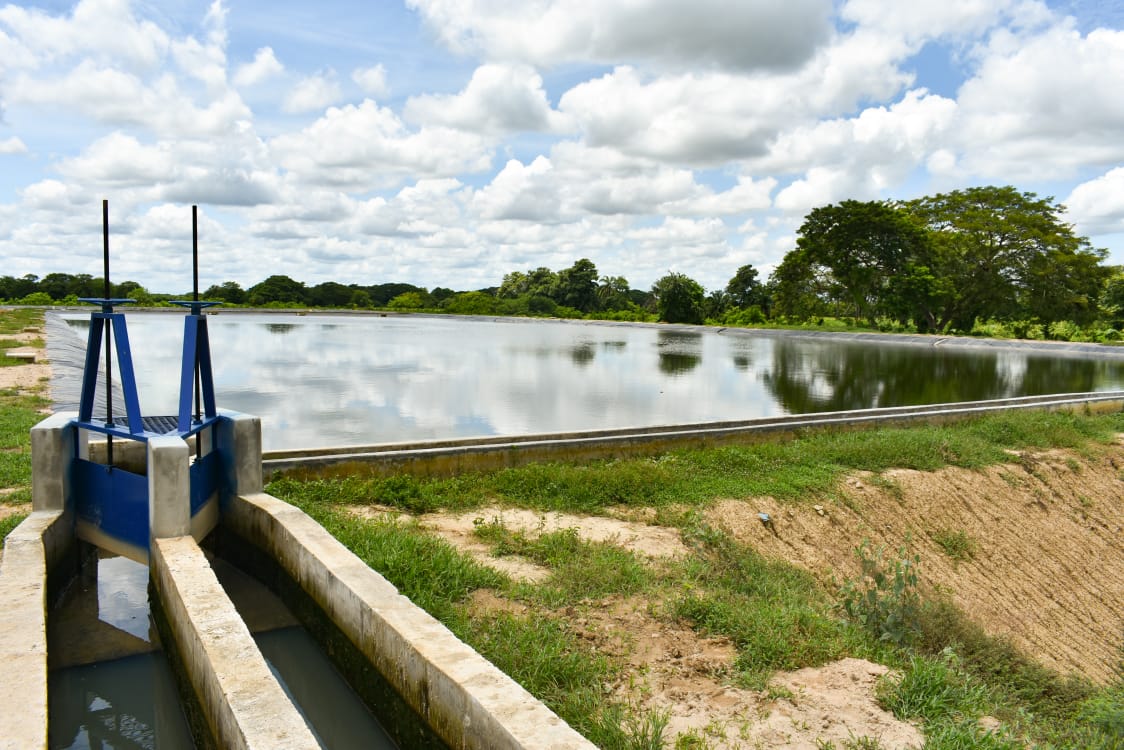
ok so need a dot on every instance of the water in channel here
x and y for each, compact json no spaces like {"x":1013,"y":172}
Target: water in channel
{"x":111,"y":687}
{"x":330,"y":380}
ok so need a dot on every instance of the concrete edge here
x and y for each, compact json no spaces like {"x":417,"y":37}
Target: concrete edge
{"x":29,"y":551}
{"x":245,"y":706}
{"x":445,"y":457}
{"x":463,"y":697}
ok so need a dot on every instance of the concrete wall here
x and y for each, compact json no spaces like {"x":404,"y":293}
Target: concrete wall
{"x":244,"y":705}
{"x":466,"y":700}
{"x":444,"y":458}
{"x":32,"y":548}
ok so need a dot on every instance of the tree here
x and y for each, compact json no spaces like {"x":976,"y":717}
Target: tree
{"x":745,"y":289}
{"x":679,"y":299}
{"x":277,"y":289}
{"x":410,"y":301}
{"x":612,"y":293}
{"x":577,"y":286}
{"x":330,"y":294}
{"x":1007,"y":255}
{"x":229,"y":291}
{"x":863,"y":246}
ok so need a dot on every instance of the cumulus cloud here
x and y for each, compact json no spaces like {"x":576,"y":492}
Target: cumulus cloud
{"x":365,"y":146}
{"x":747,"y":35}
{"x":498,"y":99}
{"x":372,"y":80}
{"x":312,"y":93}
{"x":13,"y":145}
{"x":265,"y":65}
{"x":1097,"y":206}
{"x":1044,"y":105}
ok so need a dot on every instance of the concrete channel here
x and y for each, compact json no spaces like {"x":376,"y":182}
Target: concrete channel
{"x":461,"y":699}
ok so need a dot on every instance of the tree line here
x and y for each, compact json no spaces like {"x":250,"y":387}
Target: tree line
{"x":989,"y":260}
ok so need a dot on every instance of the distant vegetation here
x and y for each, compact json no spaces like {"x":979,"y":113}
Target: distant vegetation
{"x":987,"y":261}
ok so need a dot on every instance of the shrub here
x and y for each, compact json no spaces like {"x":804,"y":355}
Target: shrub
{"x":884,"y":598}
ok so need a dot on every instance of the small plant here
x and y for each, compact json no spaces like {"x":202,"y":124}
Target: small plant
{"x":884,"y":598}
{"x":956,"y":544}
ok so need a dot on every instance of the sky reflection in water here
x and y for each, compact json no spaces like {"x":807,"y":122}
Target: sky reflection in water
{"x":343,"y":380}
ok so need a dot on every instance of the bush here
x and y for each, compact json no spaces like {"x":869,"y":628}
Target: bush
{"x":884,"y":598}
{"x":36,"y":298}
{"x":749,"y":316}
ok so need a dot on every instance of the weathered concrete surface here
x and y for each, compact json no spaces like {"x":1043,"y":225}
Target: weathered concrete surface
{"x":29,"y":551}
{"x":445,"y":457}
{"x":53,"y":445}
{"x":169,"y":487}
{"x":463,"y":697}
{"x":245,"y":706}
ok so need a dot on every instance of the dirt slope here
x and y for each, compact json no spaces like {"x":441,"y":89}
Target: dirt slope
{"x":1048,"y":531}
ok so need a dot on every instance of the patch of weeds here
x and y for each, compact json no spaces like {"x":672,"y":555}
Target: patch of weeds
{"x":18,"y":496}
{"x":692,"y":740}
{"x":933,"y":689}
{"x":10,"y":522}
{"x":884,"y":598}
{"x":776,"y":614}
{"x":1064,"y":712}
{"x":958,"y":545}
{"x":889,"y":485}
{"x":862,"y":743}
{"x":579,"y":569}
{"x":14,"y":321}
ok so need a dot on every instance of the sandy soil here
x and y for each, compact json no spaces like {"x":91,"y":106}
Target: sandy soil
{"x":1047,"y":570}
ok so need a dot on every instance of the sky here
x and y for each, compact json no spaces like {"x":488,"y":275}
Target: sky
{"x":449,"y":142}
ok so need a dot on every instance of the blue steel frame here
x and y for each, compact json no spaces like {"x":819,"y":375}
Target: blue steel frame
{"x":115,"y":500}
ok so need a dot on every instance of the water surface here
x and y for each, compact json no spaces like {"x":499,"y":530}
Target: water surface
{"x":330,"y":380}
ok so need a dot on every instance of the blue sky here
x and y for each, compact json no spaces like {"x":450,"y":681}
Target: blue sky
{"x":447,"y":142}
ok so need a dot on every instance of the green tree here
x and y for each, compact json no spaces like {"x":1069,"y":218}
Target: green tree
{"x":230,"y":292}
{"x":746,"y":289}
{"x":863,"y":246}
{"x":612,"y":293}
{"x":411,"y":301}
{"x":679,"y":299}
{"x":1007,"y":254}
{"x":577,"y":286}
{"x":329,"y":294}
{"x":277,"y":289}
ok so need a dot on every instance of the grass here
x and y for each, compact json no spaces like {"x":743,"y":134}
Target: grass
{"x":804,"y":468}
{"x":777,"y":615}
{"x":10,"y":522}
{"x":15,"y":320}
{"x":958,"y":545}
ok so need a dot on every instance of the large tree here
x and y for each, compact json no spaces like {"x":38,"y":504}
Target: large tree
{"x":864,"y":247}
{"x":679,"y":299}
{"x":745,"y":289}
{"x":1008,"y":254}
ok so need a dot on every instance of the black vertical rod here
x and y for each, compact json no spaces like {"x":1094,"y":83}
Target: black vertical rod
{"x":108,"y":333}
{"x":195,"y":298}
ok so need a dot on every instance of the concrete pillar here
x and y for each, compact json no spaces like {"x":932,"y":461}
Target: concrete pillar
{"x":239,"y":439}
{"x":54,"y":444}
{"x":169,"y":487}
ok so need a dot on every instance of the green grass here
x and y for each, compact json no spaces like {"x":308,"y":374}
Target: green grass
{"x":10,"y":522}
{"x":778,"y":616}
{"x":14,"y":321}
{"x":579,"y":569}
{"x":800,"y":469}
{"x":958,"y":545}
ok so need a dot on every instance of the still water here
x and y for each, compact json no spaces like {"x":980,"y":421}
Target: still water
{"x":331,"y":380}
{"x":111,"y":686}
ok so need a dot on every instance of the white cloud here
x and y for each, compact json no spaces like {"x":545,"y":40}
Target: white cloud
{"x":13,"y":145}
{"x":106,"y":29}
{"x":264,"y":66}
{"x":372,"y":80}
{"x":1044,"y":105}
{"x":747,"y":35}
{"x":1097,"y":206}
{"x":498,"y":99}
{"x":312,"y":93}
{"x":928,"y":19}
{"x":367,"y":146}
